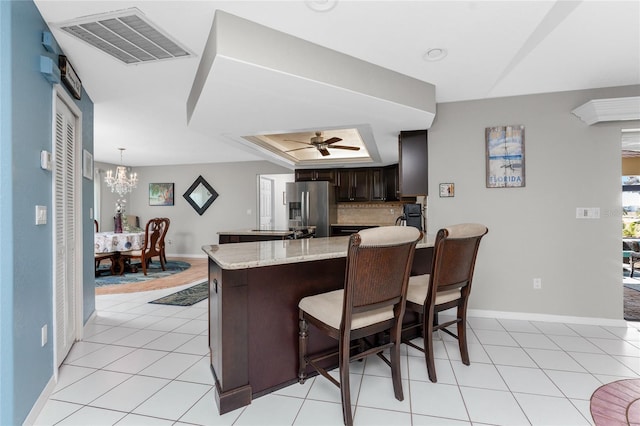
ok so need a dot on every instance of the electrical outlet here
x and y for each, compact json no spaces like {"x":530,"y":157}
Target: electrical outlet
{"x":43,"y":335}
{"x":537,"y":283}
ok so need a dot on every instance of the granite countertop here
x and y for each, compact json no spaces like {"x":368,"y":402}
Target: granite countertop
{"x":266,"y":253}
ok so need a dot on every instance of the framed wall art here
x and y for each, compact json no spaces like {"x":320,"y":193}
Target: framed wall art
{"x":87,"y":164}
{"x":447,"y":190}
{"x":505,"y":156}
{"x":161,"y":194}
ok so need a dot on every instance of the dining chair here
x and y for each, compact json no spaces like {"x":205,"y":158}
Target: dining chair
{"x":154,"y":232}
{"x":372,"y":302}
{"x":99,"y":257}
{"x":447,"y":286}
{"x":161,"y":243}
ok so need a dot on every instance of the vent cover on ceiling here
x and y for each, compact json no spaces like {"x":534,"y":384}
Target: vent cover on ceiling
{"x":127,"y":36}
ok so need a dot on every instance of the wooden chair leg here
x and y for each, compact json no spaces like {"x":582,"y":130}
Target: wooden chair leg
{"x":303,"y":336}
{"x":144,"y":262}
{"x":462,"y":334}
{"x":345,"y":388}
{"x":428,"y":347}
{"x":395,"y":364}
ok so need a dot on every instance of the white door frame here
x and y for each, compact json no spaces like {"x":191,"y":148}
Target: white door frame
{"x":60,"y":93}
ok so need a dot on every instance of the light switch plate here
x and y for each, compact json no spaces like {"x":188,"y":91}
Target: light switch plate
{"x":588,"y":213}
{"x":45,"y":160}
{"x":41,"y":215}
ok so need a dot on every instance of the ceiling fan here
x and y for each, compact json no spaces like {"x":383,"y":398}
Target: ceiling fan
{"x":321,"y":145}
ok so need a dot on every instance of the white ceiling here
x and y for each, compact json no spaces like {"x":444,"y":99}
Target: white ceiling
{"x":495,"y":49}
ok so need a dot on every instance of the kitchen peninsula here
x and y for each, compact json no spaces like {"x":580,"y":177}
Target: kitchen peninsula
{"x":254,"y":290}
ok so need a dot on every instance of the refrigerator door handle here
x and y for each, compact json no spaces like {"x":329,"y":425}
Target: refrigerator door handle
{"x":306,"y":208}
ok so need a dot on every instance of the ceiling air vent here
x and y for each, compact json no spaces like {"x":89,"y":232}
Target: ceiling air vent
{"x":127,"y":36}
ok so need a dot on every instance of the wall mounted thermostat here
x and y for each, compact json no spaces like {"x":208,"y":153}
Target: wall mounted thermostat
{"x":45,"y":160}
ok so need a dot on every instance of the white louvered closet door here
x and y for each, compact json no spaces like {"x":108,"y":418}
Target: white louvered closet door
{"x":65,"y":235}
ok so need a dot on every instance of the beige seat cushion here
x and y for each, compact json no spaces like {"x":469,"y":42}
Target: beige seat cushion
{"x":327,"y":307}
{"x":466,"y":230}
{"x":418,"y":287}
{"x":388,"y":235}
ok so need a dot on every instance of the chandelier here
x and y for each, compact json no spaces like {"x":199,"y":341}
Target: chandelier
{"x":121,"y":183}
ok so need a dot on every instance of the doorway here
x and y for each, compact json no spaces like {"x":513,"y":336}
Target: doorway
{"x":272,"y":201}
{"x":631,"y":223}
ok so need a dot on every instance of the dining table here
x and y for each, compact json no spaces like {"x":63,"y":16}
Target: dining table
{"x":117,"y":243}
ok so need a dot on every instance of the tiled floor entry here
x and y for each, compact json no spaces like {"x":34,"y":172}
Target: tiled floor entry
{"x":146,"y":364}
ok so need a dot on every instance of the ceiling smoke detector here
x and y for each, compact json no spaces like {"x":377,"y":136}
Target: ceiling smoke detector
{"x":321,"y":5}
{"x":127,"y":36}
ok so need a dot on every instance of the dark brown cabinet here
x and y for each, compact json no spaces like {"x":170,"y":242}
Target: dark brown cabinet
{"x":243,"y":238}
{"x":378,"y":186}
{"x":346,"y":230}
{"x":413,"y":163}
{"x":392,"y":183}
{"x":362,"y":184}
{"x":353,"y":185}
{"x":305,"y":175}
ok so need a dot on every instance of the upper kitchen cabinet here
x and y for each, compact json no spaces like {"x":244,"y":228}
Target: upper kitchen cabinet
{"x":413,"y":163}
{"x":378,"y":187}
{"x":392,"y":183}
{"x":305,"y":175}
{"x":353,"y":185}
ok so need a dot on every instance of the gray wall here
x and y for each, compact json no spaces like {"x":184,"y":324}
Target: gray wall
{"x":235,"y":208}
{"x":533,"y":231}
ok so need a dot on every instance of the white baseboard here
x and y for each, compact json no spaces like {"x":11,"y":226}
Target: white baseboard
{"x":40,"y":403}
{"x":546,"y":318}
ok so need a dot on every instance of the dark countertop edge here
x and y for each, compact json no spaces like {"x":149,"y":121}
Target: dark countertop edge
{"x":256,"y":232}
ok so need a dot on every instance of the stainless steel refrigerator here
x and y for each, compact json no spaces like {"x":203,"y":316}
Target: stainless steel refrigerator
{"x":311,"y":204}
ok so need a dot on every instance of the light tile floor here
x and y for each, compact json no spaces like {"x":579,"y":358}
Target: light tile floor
{"x":147,"y":364}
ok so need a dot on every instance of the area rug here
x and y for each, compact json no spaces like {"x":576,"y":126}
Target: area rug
{"x":635,"y":287}
{"x":187,"y":297}
{"x":154,"y":271}
{"x":631,"y":302}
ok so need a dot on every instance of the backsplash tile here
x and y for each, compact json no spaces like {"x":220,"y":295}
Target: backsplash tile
{"x":368,"y":213}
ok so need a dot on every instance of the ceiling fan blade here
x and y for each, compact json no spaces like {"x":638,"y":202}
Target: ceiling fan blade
{"x":352,"y":148}
{"x":298,"y":149}
{"x":332,"y":140}
{"x":324,"y":152}
{"x":291,"y":140}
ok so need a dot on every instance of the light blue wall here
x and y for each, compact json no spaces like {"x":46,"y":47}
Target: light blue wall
{"x":26,"y":289}
{"x":6,"y":269}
